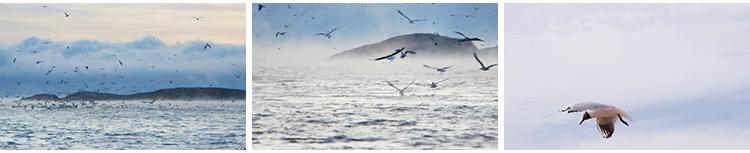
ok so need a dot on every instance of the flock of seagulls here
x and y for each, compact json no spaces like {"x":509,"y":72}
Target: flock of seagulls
{"x":606,"y":116}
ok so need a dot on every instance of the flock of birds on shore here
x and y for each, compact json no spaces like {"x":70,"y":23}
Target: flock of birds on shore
{"x":79,"y":72}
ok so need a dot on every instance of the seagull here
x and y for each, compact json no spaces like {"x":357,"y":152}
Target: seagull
{"x":120,"y":62}
{"x":14,"y":60}
{"x":238,"y":76}
{"x":410,"y":20}
{"x":260,"y":7}
{"x":287,"y":5}
{"x":467,"y":38}
{"x":280,"y":33}
{"x":45,"y":6}
{"x":207,"y":45}
{"x":66,"y":14}
{"x":403,"y":54}
{"x":197,"y":18}
{"x":433,"y":40}
{"x":434,"y":84}
{"x":441,"y":70}
{"x":87,"y":67}
{"x":400,"y":91}
{"x":606,"y":116}
{"x":328,"y":34}
{"x":390,"y":57}
{"x":480,"y":63}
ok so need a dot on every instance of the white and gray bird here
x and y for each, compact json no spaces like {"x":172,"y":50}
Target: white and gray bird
{"x":410,"y":20}
{"x":280,"y":33}
{"x":328,"y":33}
{"x":467,"y":38}
{"x":606,"y":116}
{"x":197,"y":17}
{"x":390,"y":56}
{"x":435,"y":84}
{"x":400,"y":91}
{"x":480,"y":63}
{"x":66,"y":14}
{"x":441,"y":70}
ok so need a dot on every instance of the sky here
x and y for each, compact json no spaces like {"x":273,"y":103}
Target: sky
{"x":679,"y":70}
{"x":359,"y":25}
{"x":159,"y":45}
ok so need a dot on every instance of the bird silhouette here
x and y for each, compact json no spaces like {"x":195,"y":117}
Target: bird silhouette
{"x":441,"y":70}
{"x":197,"y":18}
{"x":400,"y":91}
{"x":120,"y":62}
{"x":435,"y":84}
{"x":480,"y":63}
{"x":328,"y":33}
{"x":390,"y":55}
{"x":467,"y":38}
{"x":403,"y":54}
{"x":410,"y":20}
{"x":207,"y":45}
{"x":433,"y":40}
{"x":280,"y":33}
{"x":66,"y":14}
{"x":260,"y":7}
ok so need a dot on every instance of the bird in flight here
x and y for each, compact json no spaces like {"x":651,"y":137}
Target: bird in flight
{"x":66,"y":14}
{"x":435,"y":84}
{"x":328,"y":34}
{"x":606,"y":116}
{"x":403,"y":54}
{"x":441,"y":70}
{"x":467,"y":38}
{"x":400,"y":91}
{"x":407,"y":18}
{"x":433,"y":40}
{"x":480,"y":63}
{"x":238,"y":76}
{"x":120,"y":62}
{"x":390,"y":56}
{"x":280,"y":33}
{"x":260,"y":6}
{"x":207,"y":45}
{"x":45,"y":6}
{"x":197,"y":18}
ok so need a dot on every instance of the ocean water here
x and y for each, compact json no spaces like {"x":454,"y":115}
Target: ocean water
{"x":352,"y":107}
{"x":128,"y":125}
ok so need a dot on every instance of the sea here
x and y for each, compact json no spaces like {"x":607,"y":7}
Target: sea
{"x":345,"y":106}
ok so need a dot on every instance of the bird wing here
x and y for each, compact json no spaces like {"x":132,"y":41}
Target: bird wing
{"x":120,"y":62}
{"x":475,"y":57}
{"x":320,"y":34}
{"x":583,"y":106}
{"x":443,"y":80}
{"x":433,"y":40}
{"x":491,"y":65}
{"x":334,"y":29}
{"x":425,"y":65}
{"x":459,"y":33}
{"x":277,"y":35}
{"x":389,"y":83}
{"x":449,"y":66}
{"x":420,"y":19}
{"x":402,"y":14}
{"x":407,"y":86}
{"x":475,"y":39}
{"x":606,"y":126}
{"x":408,"y":51}
{"x":394,"y":53}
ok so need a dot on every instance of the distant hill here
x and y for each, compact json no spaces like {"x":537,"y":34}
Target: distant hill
{"x":419,"y":42}
{"x":197,"y":93}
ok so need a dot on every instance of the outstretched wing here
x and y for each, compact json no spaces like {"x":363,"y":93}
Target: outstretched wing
{"x":394,"y":53}
{"x":449,"y":66}
{"x":491,"y":65}
{"x":433,"y":40}
{"x":583,"y":106}
{"x":606,"y":126}
{"x":408,"y":51}
{"x":407,"y":86}
{"x":425,"y":65}
{"x":389,"y":83}
{"x":334,"y":29}
{"x":446,"y":79}
{"x":320,"y":34}
{"x":402,"y":14}
{"x":459,"y":33}
{"x":420,"y":19}
{"x":475,"y":57}
{"x":471,"y":39}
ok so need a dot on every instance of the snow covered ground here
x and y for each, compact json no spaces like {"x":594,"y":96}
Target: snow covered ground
{"x":344,"y":106}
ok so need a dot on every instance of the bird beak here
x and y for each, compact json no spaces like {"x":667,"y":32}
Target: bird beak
{"x":585,"y":117}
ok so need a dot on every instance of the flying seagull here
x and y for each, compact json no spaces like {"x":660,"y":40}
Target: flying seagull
{"x":403,"y":54}
{"x":66,"y":14}
{"x":391,"y":56}
{"x":328,"y":34}
{"x":441,"y":70}
{"x":287,"y":5}
{"x":260,"y":6}
{"x":480,"y":63}
{"x":238,"y":76}
{"x":467,"y":38}
{"x":207,"y":45}
{"x":400,"y":91}
{"x":197,"y":18}
{"x":280,"y":33}
{"x":606,"y":116}
{"x":435,"y":84}
{"x":433,"y":40}
{"x":410,"y":20}
{"x":120,"y":62}
{"x":45,"y":6}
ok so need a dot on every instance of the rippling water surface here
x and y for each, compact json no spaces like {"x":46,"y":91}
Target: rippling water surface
{"x":351,"y":107}
{"x":173,"y":125}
